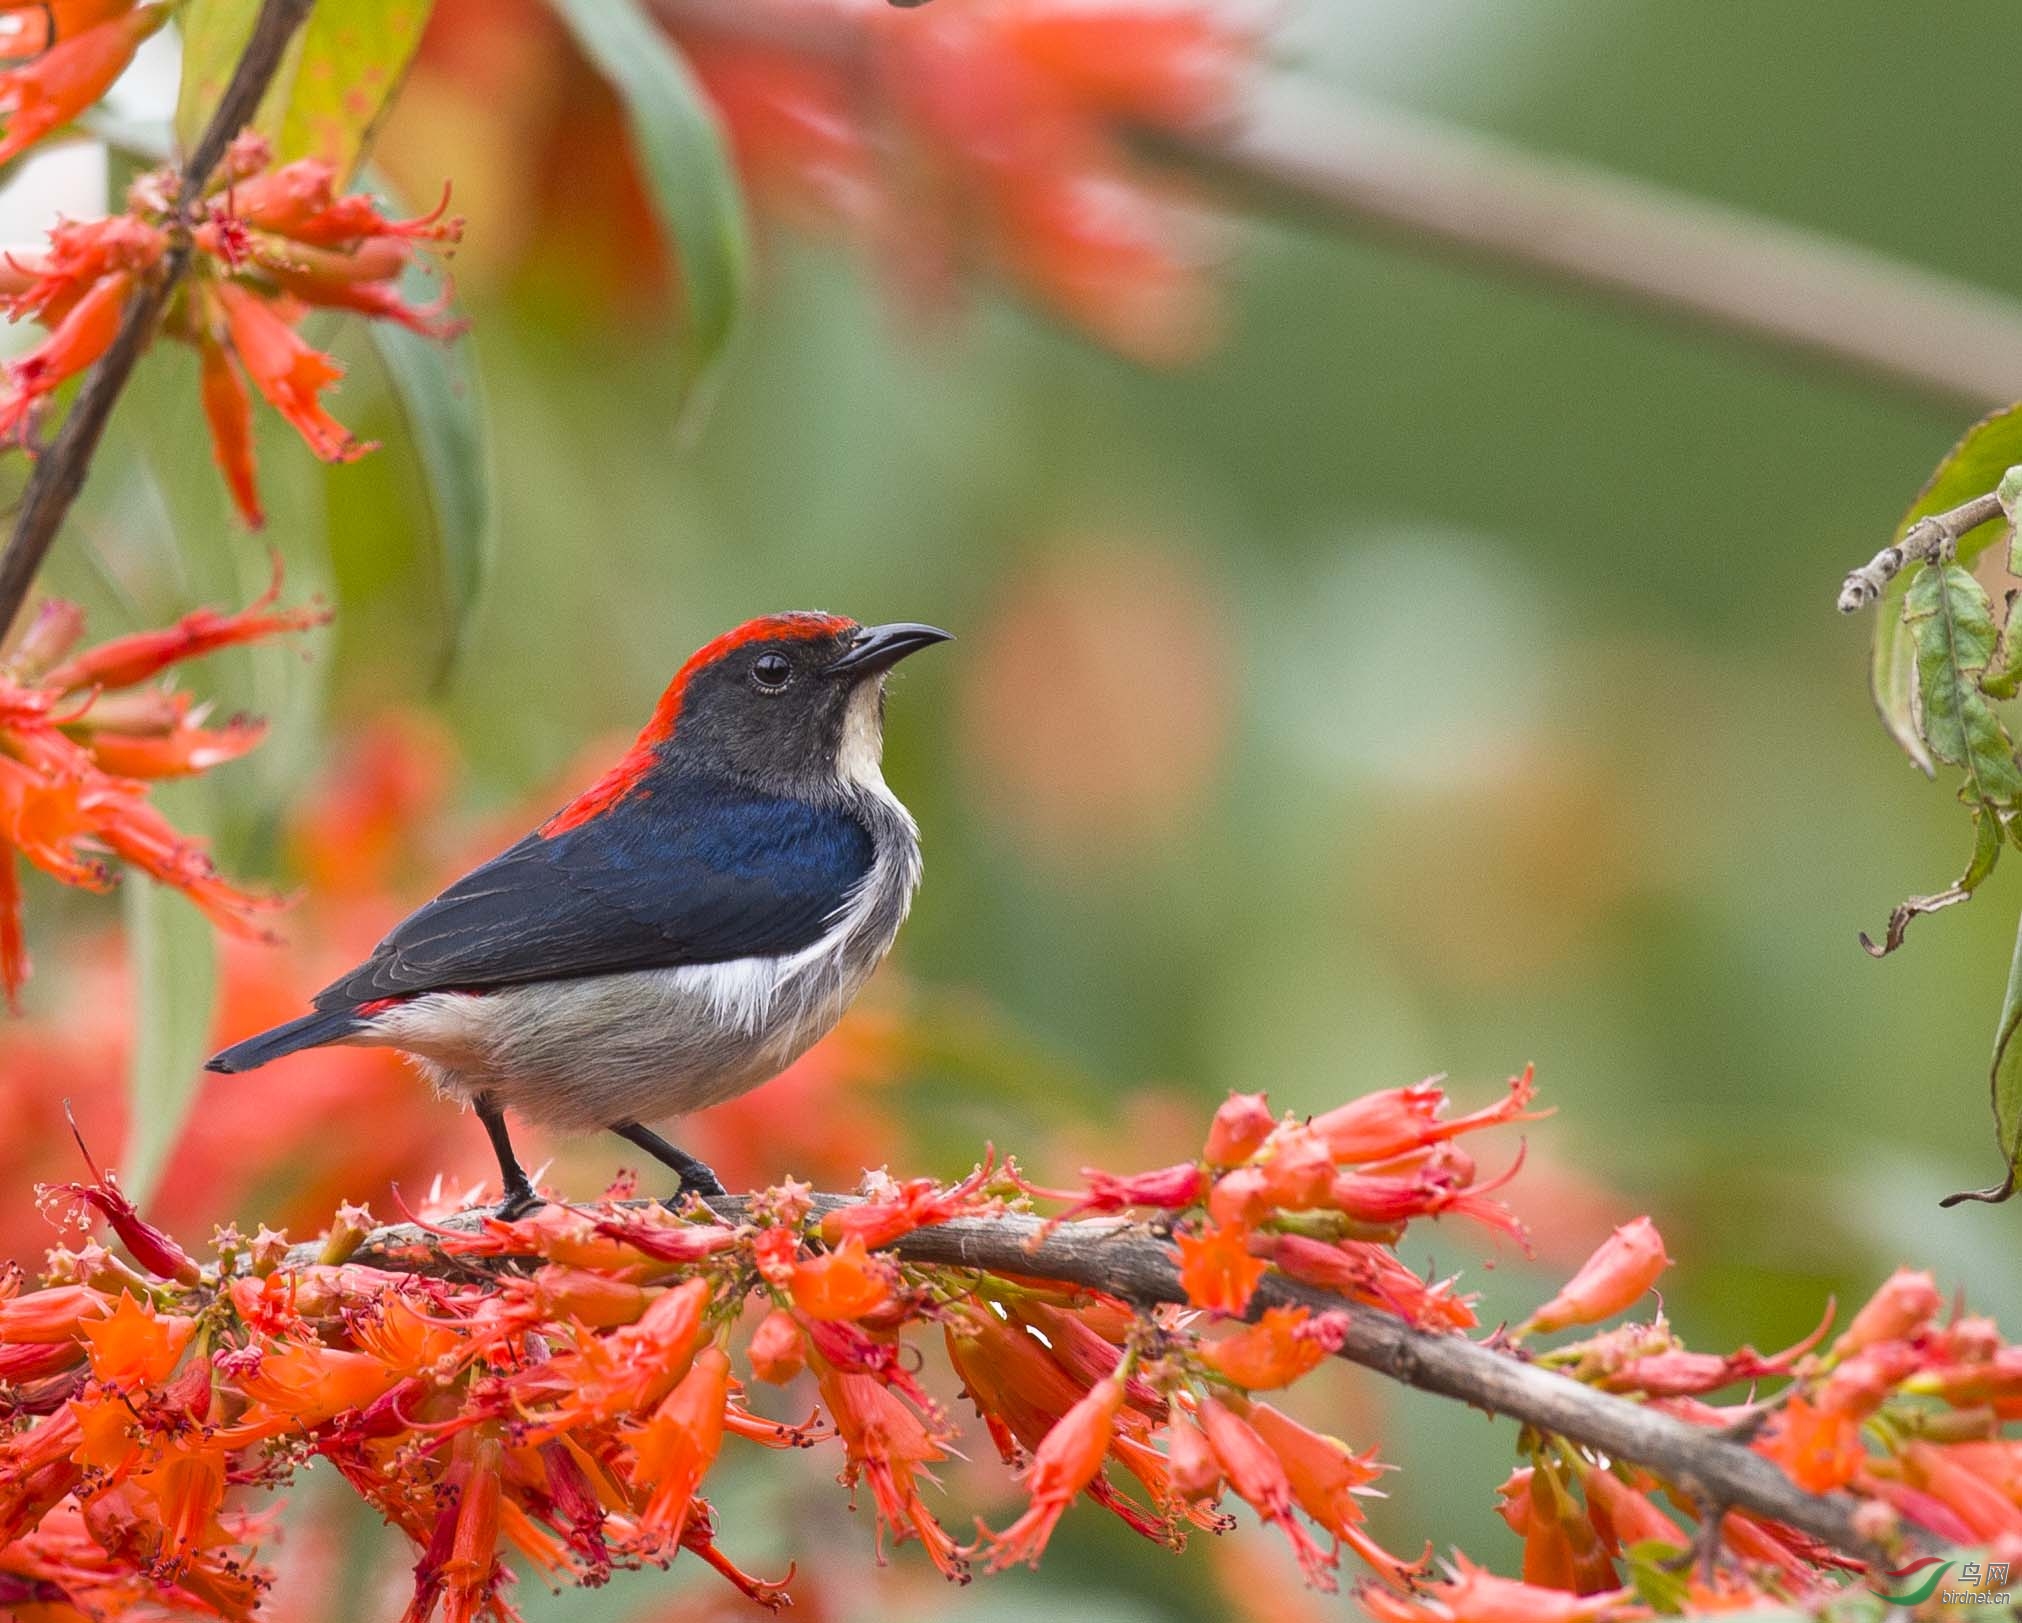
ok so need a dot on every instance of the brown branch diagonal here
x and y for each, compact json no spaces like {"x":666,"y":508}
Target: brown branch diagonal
{"x":60,"y":470}
{"x":1126,"y":1260}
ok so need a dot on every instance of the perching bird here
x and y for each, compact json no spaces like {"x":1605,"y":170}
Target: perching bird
{"x":676,"y":935}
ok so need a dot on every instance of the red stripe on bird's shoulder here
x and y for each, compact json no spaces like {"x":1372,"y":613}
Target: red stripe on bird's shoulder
{"x":618,"y":783}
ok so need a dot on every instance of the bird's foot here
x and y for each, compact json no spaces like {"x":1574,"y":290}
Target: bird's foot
{"x":517,"y":1204}
{"x":700,"y":1180}
{"x":700,"y":1184}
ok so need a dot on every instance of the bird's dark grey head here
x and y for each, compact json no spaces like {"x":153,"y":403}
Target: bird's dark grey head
{"x":792,"y":702}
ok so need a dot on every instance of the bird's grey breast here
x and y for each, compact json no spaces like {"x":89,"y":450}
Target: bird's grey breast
{"x":653,"y":1043}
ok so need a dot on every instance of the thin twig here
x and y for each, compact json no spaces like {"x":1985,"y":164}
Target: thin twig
{"x":60,"y":470}
{"x":1124,"y":1260}
{"x":1935,"y":536}
{"x":1322,"y":155}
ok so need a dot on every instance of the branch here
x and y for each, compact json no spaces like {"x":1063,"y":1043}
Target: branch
{"x":1935,"y":536}
{"x":1125,"y":1260}
{"x":1355,"y":165}
{"x":59,"y":471}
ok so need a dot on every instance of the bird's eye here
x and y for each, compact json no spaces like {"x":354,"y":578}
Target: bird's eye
{"x":771,"y":671}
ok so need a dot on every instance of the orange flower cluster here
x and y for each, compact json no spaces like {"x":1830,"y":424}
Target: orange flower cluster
{"x":989,"y":139}
{"x":65,"y":55}
{"x":1905,"y":1411}
{"x":563,"y":1416}
{"x":82,"y":734}
{"x":269,"y":244}
{"x":994,"y":135}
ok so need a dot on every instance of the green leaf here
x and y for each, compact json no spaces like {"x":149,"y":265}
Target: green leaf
{"x":1971,"y":468}
{"x":214,"y":38}
{"x":335,"y":82}
{"x":1952,"y":626}
{"x":339,"y":78}
{"x":436,"y":387}
{"x":1653,"y":1572}
{"x":682,"y":154}
{"x":175,"y":977}
{"x":2005,"y":1086}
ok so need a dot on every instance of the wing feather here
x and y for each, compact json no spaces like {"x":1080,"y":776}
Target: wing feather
{"x":690,"y":874}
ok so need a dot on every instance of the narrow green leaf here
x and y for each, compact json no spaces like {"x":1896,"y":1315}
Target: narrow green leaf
{"x":682,"y":153}
{"x":2005,"y":1086}
{"x":214,"y":38}
{"x":1971,"y":468}
{"x":1652,"y":1571}
{"x":339,"y":78}
{"x":175,"y":979}
{"x":1987,"y":838}
{"x":1952,"y":625}
{"x":436,"y":387}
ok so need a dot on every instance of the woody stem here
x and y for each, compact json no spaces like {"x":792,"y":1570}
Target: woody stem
{"x":60,"y":470}
{"x":1124,"y":1259}
{"x":1325,"y":157}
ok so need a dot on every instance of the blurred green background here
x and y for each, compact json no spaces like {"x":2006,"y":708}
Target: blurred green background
{"x":1441,"y":676}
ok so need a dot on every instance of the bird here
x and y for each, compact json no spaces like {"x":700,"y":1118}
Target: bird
{"x":677,"y":934}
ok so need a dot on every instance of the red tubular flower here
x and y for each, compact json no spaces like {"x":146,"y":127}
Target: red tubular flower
{"x":155,"y":1251}
{"x":300,"y":201}
{"x":460,"y":1567}
{"x":1471,"y":1595}
{"x":894,"y":1209}
{"x":889,"y":1446}
{"x":776,"y":1350}
{"x":1626,"y":1265}
{"x":83,"y":335}
{"x":1379,"y":1126}
{"x":1216,"y":1269}
{"x":136,"y":1347}
{"x":58,"y":1313}
{"x":1981,"y":1505}
{"x":674,"y":1450}
{"x":1907,"y":1302}
{"x":1624,"y":1515}
{"x":630,"y":1369}
{"x":1195,"y":1472}
{"x":1275,"y":1351}
{"x":288,"y":372}
{"x":126,"y":661}
{"x":53,"y":88}
{"x":13,"y":942}
{"x":228,"y":409}
{"x":1242,"y":1122}
{"x":1258,"y":1477}
{"x":1372,"y":1274}
{"x":1170,"y":1188}
{"x":1063,"y":1465}
{"x":1819,"y":1449}
{"x":845,"y":1283}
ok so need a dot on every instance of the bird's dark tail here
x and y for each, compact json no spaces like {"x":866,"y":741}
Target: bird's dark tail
{"x":307,"y":1032}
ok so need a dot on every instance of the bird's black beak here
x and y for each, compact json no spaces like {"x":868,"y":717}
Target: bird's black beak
{"x":879,"y":648}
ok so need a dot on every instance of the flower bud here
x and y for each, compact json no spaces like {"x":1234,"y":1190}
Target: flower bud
{"x":1626,"y":1265}
{"x":1907,"y":1302}
{"x":1195,"y":1472}
{"x":776,"y":1351}
{"x":1242,"y":1123}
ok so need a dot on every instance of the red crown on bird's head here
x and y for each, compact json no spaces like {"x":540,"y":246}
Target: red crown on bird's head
{"x":614,"y":785}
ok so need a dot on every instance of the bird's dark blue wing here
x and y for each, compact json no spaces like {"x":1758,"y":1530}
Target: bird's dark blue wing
{"x":678,"y":874}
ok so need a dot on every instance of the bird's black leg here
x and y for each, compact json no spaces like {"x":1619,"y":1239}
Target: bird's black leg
{"x":696,"y":1178}
{"x":519,"y":1191}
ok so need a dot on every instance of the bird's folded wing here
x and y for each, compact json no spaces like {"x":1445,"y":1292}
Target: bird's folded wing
{"x":682,"y":875}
